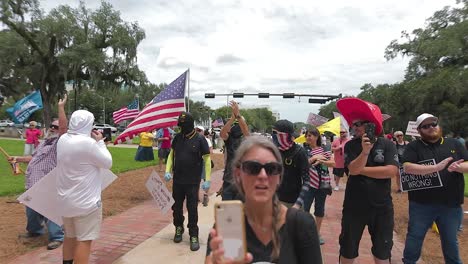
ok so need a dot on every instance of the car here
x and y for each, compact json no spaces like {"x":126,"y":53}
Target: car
{"x":6,"y":123}
{"x":101,"y":126}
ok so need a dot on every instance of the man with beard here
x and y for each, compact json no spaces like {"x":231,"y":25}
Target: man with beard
{"x":441,"y":205}
{"x":189,"y":151}
{"x":42,"y":161}
{"x":232,"y":133}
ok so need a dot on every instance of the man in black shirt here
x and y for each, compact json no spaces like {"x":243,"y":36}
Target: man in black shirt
{"x":232,"y":133}
{"x":189,"y":151}
{"x":367,"y":198}
{"x":441,"y":205}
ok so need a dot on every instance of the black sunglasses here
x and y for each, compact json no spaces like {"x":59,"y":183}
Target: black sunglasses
{"x":360,"y":123}
{"x":426,"y":126}
{"x":342,"y":132}
{"x":54,"y":127}
{"x":253,"y":167}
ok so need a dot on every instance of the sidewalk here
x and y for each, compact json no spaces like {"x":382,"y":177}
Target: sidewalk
{"x":143,"y":235}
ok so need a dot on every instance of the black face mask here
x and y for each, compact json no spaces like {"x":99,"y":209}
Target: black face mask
{"x":186,"y":128}
{"x":186,"y":123}
{"x":235,"y":132}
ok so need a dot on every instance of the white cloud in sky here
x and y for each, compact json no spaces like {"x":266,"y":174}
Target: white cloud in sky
{"x":301,"y":46}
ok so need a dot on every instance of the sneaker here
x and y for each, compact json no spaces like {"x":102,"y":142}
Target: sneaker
{"x":194,"y":244}
{"x":321,"y":240}
{"x":178,"y":234}
{"x":54,"y":244}
{"x":337,"y":188}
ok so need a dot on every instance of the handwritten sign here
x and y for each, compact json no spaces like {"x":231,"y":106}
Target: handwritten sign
{"x":161,"y":195}
{"x":316,"y":120}
{"x":412,"y":129}
{"x":42,"y":196}
{"x":413,"y":182}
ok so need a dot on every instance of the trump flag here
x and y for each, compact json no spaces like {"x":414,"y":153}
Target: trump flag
{"x":21,"y":111}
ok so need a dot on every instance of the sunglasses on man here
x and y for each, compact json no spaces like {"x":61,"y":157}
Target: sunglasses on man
{"x":360,"y":123}
{"x":54,"y":127}
{"x":427,"y":126}
{"x":254,"y":167}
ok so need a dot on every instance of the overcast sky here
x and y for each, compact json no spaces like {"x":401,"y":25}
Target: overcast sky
{"x":251,"y":46}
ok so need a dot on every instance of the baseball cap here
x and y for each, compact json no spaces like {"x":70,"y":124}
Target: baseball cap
{"x":423,"y":117}
{"x":354,"y":108}
{"x":200,"y":128}
{"x":284,"y":126}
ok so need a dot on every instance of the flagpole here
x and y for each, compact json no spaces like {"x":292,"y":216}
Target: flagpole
{"x":188,"y":89}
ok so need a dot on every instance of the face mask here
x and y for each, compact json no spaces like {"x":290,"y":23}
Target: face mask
{"x":186,"y":128}
{"x":282,"y":140}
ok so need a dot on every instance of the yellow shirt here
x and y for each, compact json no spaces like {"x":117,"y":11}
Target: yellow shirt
{"x":146,"y":139}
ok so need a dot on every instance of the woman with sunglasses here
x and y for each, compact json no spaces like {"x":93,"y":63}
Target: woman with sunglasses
{"x":319,"y":160}
{"x":258,"y":171}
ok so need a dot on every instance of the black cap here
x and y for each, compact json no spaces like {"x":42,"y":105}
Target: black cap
{"x":185,"y":118}
{"x":284,"y":126}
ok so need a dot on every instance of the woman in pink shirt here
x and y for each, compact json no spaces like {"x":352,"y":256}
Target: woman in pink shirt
{"x":32,"y":135}
{"x":338,"y":151}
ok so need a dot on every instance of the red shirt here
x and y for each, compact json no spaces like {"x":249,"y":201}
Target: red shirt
{"x":32,"y":136}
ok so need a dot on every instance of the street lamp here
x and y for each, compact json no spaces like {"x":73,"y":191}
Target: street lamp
{"x":103,"y":108}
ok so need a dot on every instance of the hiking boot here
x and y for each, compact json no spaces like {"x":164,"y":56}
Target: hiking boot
{"x":178,"y":234}
{"x":54,"y":244}
{"x":194,"y":244}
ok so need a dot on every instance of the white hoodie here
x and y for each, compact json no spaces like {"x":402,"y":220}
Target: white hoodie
{"x":79,"y":162}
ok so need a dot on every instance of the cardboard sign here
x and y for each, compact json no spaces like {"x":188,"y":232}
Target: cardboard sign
{"x":316,"y":120}
{"x":42,"y":196}
{"x":412,"y":129}
{"x":161,"y":195}
{"x":413,"y":182}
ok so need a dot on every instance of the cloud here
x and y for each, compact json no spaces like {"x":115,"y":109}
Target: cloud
{"x":228,"y":59}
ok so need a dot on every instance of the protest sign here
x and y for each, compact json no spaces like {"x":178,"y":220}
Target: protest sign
{"x":412,"y":182}
{"x":42,"y":196}
{"x":160,"y":193}
{"x":316,"y":120}
{"x":412,"y":129}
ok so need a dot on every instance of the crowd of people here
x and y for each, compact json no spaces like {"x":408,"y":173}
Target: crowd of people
{"x":277,"y":179}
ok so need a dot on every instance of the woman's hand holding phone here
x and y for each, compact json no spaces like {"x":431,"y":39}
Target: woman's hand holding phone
{"x":217,"y":251}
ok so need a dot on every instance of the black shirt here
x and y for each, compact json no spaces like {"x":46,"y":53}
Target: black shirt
{"x":188,"y":158}
{"x":231,"y":145}
{"x":363,"y":192}
{"x":453,"y":184}
{"x":302,"y":246}
{"x":296,"y":169}
{"x":400,"y":150}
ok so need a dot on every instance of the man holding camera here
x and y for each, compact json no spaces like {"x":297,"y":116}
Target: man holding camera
{"x":372,"y":162}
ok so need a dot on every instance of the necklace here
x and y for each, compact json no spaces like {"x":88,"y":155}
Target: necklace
{"x":262,"y":228}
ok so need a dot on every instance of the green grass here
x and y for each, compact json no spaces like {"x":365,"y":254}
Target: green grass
{"x":122,"y":160}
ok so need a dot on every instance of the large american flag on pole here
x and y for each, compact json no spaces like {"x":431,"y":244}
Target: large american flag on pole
{"x":126,"y":113}
{"x":162,"y":111}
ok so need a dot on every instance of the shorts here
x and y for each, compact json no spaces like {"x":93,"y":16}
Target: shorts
{"x":163,"y":153}
{"x":379,"y":222}
{"x":339,"y":172}
{"x":85,"y":227}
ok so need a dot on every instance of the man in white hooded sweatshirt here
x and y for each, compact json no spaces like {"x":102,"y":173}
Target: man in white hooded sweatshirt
{"x":81,"y":154}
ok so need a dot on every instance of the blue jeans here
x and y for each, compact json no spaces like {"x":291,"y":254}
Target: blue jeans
{"x":319,"y":206}
{"x":421,"y":217}
{"x":34,"y":225}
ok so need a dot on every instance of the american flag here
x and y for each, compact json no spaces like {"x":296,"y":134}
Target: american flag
{"x":385,"y":117}
{"x":126,"y":113}
{"x":218,"y":122}
{"x":162,"y":111}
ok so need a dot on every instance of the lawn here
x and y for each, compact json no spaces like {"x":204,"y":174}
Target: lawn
{"x":123,"y":160}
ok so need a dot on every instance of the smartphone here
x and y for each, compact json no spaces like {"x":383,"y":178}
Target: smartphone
{"x":370,"y":132}
{"x":230,"y":224}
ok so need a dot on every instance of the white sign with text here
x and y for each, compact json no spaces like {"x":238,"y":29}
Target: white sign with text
{"x":161,"y":195}
{"x":42,"y":196}
{"x":412,"y":129}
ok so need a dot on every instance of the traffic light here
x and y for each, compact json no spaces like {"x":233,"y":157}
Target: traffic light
{"x":209,"y":95}
{"x":263,"y":95}
{"x":288,"y":95}
{"x":238,"y":95}
{"x":317,"y":101}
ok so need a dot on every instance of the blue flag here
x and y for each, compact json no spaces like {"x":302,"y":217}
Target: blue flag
{"x":21,"y":111}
